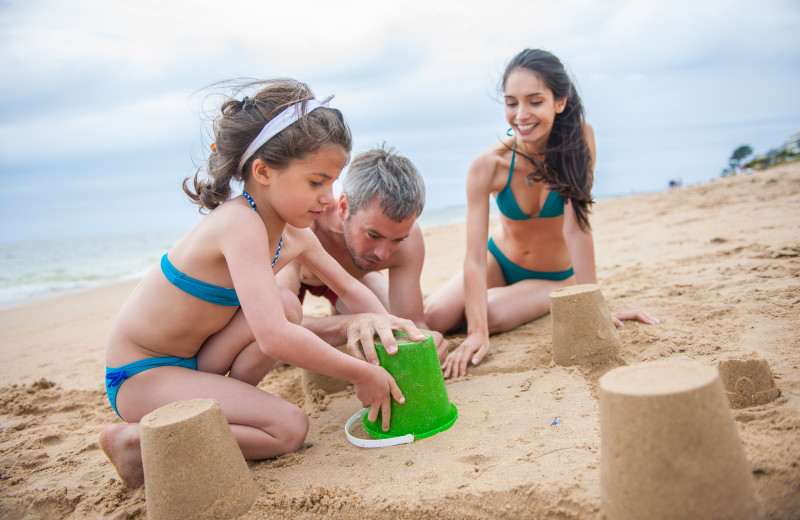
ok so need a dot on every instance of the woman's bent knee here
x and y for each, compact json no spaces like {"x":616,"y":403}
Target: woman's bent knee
{"x":441,"y":316}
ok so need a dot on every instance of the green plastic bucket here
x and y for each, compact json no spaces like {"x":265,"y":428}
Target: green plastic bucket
{"x":427,"y":409}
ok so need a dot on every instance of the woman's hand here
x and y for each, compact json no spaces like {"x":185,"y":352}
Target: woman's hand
{"x":637,"y":314}
{"x":375,"y":391}
{"x":362,"y":328}
{"x":474,"y":349}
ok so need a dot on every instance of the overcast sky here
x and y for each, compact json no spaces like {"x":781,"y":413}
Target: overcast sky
{"x":102,"y":103}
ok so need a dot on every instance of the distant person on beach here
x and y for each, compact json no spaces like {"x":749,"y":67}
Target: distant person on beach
{"x":541,"y":176}
{"x":213,"y":307}
{"x":371,"y":227}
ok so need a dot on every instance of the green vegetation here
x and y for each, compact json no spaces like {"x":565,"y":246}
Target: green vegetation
{"x":739,"y":154}
{"x":789,"y":152}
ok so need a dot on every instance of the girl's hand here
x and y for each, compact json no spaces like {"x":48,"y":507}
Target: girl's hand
{"x":637,"y":314}
{"x":474,"y":348}
{"x":362,"y":328}
{"x":376,"y":391}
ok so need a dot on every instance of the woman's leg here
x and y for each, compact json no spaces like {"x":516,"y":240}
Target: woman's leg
{"x":444,"y":309}
{"x":513,"y":305}
{"x":264,"y":425}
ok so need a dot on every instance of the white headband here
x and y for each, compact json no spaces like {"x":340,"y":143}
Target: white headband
{"x":288,"y":116}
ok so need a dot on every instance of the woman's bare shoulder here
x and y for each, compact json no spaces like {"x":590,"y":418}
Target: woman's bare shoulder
{"x":489,"y":169}
{"x":488,"y":161}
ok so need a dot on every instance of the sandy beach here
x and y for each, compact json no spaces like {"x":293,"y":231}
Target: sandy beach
{"x":717,"y":263}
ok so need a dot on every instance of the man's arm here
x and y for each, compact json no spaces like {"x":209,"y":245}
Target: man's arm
{"x":405,"y":291}
{"x":332,"y":329}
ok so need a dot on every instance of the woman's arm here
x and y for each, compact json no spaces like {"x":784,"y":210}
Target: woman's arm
{"x":476,"y":346}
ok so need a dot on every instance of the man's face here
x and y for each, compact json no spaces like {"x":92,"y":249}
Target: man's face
{"x":371,"y":237}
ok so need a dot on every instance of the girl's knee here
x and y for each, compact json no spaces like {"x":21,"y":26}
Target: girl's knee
{"x":291,"y":306}
{"x":295,"y":428}
{"x":251,"y":365}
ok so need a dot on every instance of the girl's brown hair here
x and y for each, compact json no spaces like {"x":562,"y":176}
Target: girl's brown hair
{"x":241,"y":121}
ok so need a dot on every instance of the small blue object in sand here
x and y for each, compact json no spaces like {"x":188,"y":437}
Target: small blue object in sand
{"x":557,"y":421}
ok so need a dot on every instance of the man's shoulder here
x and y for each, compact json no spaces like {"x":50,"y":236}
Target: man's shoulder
{"x":410,"y":250}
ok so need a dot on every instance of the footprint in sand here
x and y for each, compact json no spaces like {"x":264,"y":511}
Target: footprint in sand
{"x":51,"y":440}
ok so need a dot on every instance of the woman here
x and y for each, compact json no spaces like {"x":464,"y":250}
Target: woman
{"x":541,"y":176}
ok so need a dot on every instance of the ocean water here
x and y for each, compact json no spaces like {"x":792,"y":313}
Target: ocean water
{"x":33,"y":270}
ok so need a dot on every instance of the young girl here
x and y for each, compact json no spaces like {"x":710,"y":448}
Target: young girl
{"x":213,"y":308}
{"x":542,"y":178}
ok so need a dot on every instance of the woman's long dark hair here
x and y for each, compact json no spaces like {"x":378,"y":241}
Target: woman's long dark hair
{"x":567,"y":165}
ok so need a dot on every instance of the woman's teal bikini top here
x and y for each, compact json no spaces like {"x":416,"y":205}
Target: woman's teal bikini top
{"x":507,"y":204}
{"x":206,"y":291}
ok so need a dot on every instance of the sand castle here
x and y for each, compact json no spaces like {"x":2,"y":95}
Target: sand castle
{"x":583,"y":331}
{"x":748,"y":382}
{"x":193,"y":467}
{"x":312,"y":382}
{"x":669,"y":448}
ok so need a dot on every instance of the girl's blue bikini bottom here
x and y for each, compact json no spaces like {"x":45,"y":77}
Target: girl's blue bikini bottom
{"x":116,"y":376}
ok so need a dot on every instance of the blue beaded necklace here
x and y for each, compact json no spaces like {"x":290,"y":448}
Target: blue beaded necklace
{"x":280,"y":241}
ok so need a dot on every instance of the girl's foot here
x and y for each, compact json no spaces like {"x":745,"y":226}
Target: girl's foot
{"x":120,"y":443}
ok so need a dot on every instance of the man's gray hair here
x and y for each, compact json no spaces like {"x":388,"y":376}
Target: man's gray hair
{"x":391,"y":177}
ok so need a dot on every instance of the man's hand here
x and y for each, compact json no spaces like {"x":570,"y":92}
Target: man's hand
{"x":442,"y":345}
{"x":362,"y":328}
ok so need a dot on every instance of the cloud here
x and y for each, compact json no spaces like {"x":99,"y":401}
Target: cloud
{"x":54,"y":137}
{"x":97,"y":96}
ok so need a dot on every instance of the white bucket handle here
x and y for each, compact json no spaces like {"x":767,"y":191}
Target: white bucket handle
{"x":373,"y":443}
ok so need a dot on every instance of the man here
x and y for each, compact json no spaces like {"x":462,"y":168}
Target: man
{"x":370,"y":228}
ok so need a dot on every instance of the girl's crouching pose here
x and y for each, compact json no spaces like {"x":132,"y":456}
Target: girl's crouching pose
{"x":210,"y":321}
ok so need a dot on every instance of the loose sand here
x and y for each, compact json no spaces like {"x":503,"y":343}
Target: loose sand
{"x":718,"y":263}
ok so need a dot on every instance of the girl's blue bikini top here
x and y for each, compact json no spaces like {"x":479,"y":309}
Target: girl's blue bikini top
{"x":206,"y":291}
{"x":507,"y":204}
